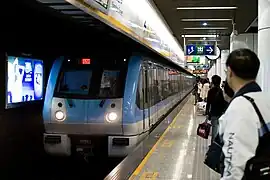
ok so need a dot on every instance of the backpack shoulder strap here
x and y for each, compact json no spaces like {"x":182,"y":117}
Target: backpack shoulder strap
{"x":251,"y":100}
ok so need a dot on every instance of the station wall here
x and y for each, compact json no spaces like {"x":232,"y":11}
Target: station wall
{"x":30,"y":30}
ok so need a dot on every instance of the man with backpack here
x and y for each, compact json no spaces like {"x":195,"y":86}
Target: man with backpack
{"x":244,"y":127}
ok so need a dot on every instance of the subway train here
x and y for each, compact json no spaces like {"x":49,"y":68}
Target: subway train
{"x":95,"y":105}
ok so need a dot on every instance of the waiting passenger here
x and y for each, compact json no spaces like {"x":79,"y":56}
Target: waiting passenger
{"x":228,"y":93}
{"x":215,"y":104}
{"x":195,"y":91}
{"x":200,"y":85}
{"x":240,"y":127}
{"x":205,"y":89}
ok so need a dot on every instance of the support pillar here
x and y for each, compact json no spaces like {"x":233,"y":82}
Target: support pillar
{"x":263,"y":44}
{"x":218,"y":66}
{"x":214,"y":68}
{"x":223,"y":59}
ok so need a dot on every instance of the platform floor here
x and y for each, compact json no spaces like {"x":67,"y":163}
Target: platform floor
{"x":179,"y":153}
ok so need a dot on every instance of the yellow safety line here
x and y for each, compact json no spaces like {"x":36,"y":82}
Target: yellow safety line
{"x":149,"y":154}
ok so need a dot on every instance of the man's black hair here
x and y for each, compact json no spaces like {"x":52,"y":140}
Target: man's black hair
{"x":216,"y":80}
{"x":244,"y":63}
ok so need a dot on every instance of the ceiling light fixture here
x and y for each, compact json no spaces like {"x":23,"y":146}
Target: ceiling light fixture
{"x":201,"y":20}
{"x":206,"y":8}
{"x":206,"y":28}
{"x":199,"y":35}
{"x":204,"y":38}
{"x":201,"y":40}
{"x":204,"y":24}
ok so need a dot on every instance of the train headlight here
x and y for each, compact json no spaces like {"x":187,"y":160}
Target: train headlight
{"x":111,"y":117}
{"x":60,"y":116}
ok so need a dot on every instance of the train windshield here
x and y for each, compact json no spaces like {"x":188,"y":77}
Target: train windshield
{"x":75,"y":81}
{"x":109,"y":84}
{"x":91,"y":82}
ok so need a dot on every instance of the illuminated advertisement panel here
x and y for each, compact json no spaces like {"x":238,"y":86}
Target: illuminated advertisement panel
{"x":24,"y":80}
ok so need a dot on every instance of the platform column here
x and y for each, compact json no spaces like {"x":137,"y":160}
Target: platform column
{"x":218,"y":66}
{"x":215,"y":68}
{"x":223,"y":59}
{"x":263,"y":44}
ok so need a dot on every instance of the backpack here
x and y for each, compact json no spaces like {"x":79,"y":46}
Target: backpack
{"x":258,"y":167}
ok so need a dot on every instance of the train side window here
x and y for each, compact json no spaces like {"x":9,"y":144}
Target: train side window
{"x":71,"y":84}
{"x":109,"y":84}
{"x":139,"y":96}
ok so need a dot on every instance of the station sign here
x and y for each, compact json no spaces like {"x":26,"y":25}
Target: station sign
{"x":193,"y":59}
{"x":200,"y":50}
{"x":173,"y":73}
{"x":200,"y":71}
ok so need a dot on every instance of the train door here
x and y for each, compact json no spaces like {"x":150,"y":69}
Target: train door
{"x":152,"y":90}
{"x":145,"y":97}
{"x":156,"y":95}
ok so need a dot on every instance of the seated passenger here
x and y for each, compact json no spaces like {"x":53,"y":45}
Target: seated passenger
{"x":240,"y":124}
{"x":215,"y":104}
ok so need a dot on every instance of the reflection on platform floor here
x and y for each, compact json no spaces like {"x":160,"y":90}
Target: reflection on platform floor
{"x":179,"y":153}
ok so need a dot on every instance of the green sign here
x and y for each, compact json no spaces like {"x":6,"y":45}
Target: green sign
{"x":196,"y":59}
{"x":200,"y":50}
{"x":193,"y":59}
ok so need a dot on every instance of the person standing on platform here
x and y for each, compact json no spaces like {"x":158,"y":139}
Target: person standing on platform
{"x":228,"y":93}
{"x":240,"y":127}
{"x":205,"y":89}
{"x":200,"y":85}
{"x":195,"y":90}
{"x":215,"y":104}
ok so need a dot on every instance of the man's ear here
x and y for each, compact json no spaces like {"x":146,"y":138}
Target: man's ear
{"x":230,"y":72}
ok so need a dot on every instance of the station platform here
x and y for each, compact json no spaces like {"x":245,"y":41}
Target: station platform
{"x":178,"y":154}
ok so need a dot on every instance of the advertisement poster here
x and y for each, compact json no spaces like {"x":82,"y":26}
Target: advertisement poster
{"x":25,"y":79}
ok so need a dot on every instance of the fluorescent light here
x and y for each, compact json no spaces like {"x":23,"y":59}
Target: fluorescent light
{"x":206,"y":28}
{"x":199,"y":35}
{"x":206,"y":20}
{"x":209,"y":40}
{"x":205,"y":8}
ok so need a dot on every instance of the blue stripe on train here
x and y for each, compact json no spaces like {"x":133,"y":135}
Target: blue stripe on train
{"x":50,"y":89}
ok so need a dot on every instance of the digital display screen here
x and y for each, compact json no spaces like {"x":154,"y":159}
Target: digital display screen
{"x":24,"y":80}
{"x":86,"y":61}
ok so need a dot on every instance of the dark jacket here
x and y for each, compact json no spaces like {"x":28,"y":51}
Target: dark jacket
{"x":215,"y":102}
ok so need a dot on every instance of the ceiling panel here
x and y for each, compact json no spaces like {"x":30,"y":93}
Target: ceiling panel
{"x":219,"y":21}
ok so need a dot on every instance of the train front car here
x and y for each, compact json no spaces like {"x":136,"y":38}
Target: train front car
{"x":83,"y":104}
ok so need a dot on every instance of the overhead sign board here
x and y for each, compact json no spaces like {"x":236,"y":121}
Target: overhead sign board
{"x":200,"y":71}
{"x":200,"y":50}
{"x":193,"y":59}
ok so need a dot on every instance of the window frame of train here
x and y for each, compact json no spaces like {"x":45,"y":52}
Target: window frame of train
{"x":94,"y":85}
{"x":158,"y":94}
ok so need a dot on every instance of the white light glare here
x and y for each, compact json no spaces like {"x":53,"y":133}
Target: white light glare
{"x":112,"y":116}
{"x":204,"y":24}
{"x":201,"y":20}
{"x":205,"y":8}
{"x":199,"y":35}
{"x":59,"y":115}
{"x":206,"y":28}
